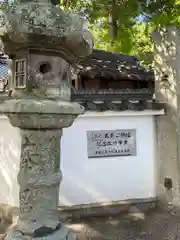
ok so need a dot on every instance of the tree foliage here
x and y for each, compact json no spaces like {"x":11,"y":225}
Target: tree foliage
{"x":162,"y":12}
{"x":124,"y":25}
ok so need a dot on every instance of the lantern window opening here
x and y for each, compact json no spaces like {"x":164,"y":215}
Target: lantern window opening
{"x":45,"y":67}
{"x":20,"y":73}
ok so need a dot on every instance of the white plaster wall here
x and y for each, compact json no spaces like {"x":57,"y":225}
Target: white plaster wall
{"x":97,"y":180}
{"x":9,"y":162}
{"x":89,"y":180}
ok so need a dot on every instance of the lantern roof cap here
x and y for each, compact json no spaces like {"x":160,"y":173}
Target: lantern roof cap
{"x":42,"y":26}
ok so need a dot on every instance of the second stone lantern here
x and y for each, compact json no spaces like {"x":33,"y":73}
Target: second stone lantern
{"x":42,"y":42}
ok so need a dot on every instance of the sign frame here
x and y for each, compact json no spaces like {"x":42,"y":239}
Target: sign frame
{"x":111,"y":143}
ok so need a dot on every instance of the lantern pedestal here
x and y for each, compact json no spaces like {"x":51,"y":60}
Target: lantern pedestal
{"x":41,"y":124}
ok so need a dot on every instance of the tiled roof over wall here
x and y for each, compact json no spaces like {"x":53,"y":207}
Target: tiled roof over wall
{"x":114,"y":66}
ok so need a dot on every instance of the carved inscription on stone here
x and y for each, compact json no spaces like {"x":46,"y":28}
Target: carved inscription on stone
{"x":111,"y":143}
{"x":39,"y":169}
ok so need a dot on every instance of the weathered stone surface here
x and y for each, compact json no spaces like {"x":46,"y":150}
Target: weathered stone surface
{"x":41,"y":114}
{"x":62,"y":234}
{"x":39,"y":178}
{"x":42,"y":106}
{"x":28,"y":17}
{"x":167,"y":55}
{"x":45,"y":77}
{"x":42,"y":26}
{"x":55,"y":83}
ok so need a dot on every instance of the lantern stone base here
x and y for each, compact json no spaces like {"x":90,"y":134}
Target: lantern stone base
{"x":62,"y":234}
{"x":41,"y":123}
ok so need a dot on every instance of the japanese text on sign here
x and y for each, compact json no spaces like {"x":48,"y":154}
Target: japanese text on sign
{"x":111,"y":143}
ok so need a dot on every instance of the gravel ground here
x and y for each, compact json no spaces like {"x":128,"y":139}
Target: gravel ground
{"x":154,"y":225}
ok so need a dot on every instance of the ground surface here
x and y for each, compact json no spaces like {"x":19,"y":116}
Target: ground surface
{"x":154,"y":225}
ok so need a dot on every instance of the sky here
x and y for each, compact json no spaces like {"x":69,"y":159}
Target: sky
{"x":141,"y":18}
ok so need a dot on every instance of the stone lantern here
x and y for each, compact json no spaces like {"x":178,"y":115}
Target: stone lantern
{"x":42,"y":42}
